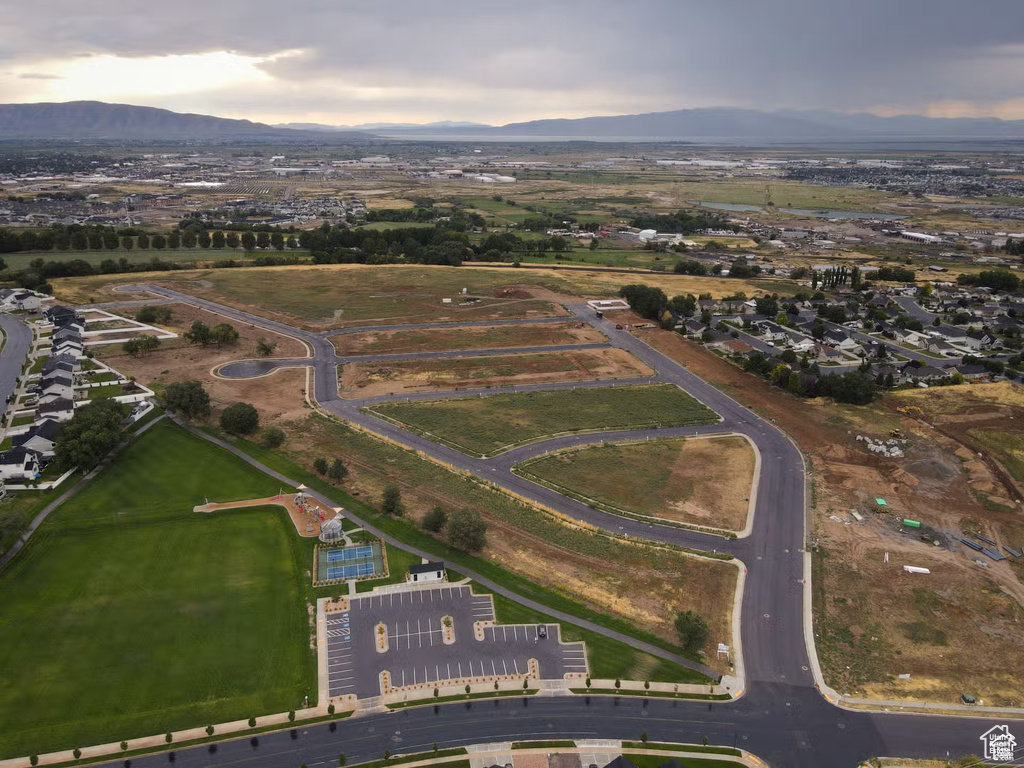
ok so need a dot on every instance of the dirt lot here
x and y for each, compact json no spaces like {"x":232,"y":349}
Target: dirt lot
{"x":702,"y":482}
{"x":493,"y":337}
{"x":955,"y":630}
{"x":280,"y":394}
{"x":374,"y":379}
{"x":647,"y":586}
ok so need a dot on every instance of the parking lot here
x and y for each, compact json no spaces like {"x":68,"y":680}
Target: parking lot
{"x":417,"y":653}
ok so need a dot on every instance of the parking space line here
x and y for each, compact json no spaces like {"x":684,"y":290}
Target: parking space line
{"x":516,"y":665}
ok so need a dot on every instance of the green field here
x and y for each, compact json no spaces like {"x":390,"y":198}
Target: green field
{"x":489,"y":425}
{"x":129,"y":615}
{"x":184,"y":256}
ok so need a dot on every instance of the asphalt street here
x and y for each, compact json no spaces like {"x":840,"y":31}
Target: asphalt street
{"x":18,"y":338}
{"x":781,"y":716}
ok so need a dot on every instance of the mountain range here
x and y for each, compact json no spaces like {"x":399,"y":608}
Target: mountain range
{"x":99,"y":120}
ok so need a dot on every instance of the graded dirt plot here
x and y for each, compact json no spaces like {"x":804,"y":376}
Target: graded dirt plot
{"x":340,"y":296}
{"x":489,"y":425}
{"x":128,"y":614}
{"x":874,"y":621}
{"x":698,"y":481}
{"x":389,"y":378}
{"x":177,"y":360}
{"x":487,"y":337}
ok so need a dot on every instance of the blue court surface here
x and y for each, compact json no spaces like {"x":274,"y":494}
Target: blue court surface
{"x":356,"y":561}
{"x":349,"y":553}
{"x":350,"y":571}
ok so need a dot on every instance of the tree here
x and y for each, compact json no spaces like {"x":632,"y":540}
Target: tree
{"x":76,"y":752}
{"x":854,"y":387}
{"x":240,"y":419}
{"x":189,"y":239}
{"x":272,"y":437}
{"x":124,"y":745}
{"x":90,"y":435}
{"x":277,"y":241}
{"x":435,"y":520}
{"x":169,"y":737}
{"x":209,"y":730}
{"x":320,"y":465}
{"x":466,"y":530}
{"x":157,"y":314}
{"x":223,"y":333}
{"x":198,"y":333}
{"x":141,"y":346}
{"x":692,"y":630}
{"x":204,"y":239}
{"x":217,"y":239}
{"x":265,"y":348}
{"x":248,"y":241}
{"x":262,"y":240}
{"x":174,"y":240}
{"x":143,"y":241}
{"x":337,"y":471}
{"x":391,"y":501}
{"x":159,"y":242}
{"x":128,"y":243}
{"x":232,"y":240}
{"x":767,"y":306}
{"x":645,"y":300}
{"x":187,"y":398}
{"x":291,"y":715}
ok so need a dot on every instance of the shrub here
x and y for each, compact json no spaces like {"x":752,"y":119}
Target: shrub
{"x":320,"y":465}
{"x":435,"y":519}
{"x":240,"y":419}
{"x":338,"y":470}
{"x":692,"y":630}
{"x":467,"y":530}
{"x":272,"y":437}
{"x":391,"y":501}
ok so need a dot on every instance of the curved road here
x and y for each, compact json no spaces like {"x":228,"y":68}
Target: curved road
{"x":781,"y":717}
{"x":17,"y":340}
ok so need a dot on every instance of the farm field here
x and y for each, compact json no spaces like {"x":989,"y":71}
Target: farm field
{"x":487,"y":337}
{"x":633,"y":588}
{"x":703,"y":482}
{"x":492,"y":424}
{"x":129,"y":615}
{"x":389,"y":378}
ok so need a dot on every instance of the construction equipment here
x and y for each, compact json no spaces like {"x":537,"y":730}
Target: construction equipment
{"x":897,"y":433}
{"x":911,"y":410}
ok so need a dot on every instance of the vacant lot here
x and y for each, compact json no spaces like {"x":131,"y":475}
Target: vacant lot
{"x":489,"y":425}
{"x":874,"y":621}
{"x":699,"y":481}
{"x":351,"y":295}
{"x":487,"y":337}
{"x":280,"y":394}
{"x":129,"y":615}
{"x":640,"y":585}
{"x":373,"y":379}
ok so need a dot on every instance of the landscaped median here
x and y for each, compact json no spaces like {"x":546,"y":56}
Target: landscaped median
{"x":487,"y":425}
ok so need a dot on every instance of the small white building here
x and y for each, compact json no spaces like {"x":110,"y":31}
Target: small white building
{"x":426,"y":572}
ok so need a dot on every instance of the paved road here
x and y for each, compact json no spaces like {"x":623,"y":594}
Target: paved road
{"x":18,"y":339}
{"x":781,"y":717}
{"x":911,"y":307}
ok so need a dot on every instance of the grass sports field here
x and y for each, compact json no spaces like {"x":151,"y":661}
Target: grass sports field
{"x":489,"y":425}
{"x":703,"y":482}
{"x":130,"y":615}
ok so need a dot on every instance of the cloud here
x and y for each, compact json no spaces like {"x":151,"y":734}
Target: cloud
{"x":500,"y":62}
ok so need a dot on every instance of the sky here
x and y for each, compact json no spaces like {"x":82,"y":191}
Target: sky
{"x":342,"y":62}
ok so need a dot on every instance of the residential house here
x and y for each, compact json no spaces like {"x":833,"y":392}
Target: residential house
{"x":694,"y":326}
{"x":69,"y":347}
{"x":39,"y":438}
{"x":60,"y":410}
{"x":826,"y":354}
{"x":60,"y":363}
{"x":972,"y":371}
{"x":7,"y":300}
{"x":56,"y":391}
{"x":19,"y":464}
{"x":926,"y":373}
{"x":980,"y":340}
{"x":840,"y":340}
{"x":941,"y":347}
{"x":27,"y":301}
{"x":57,"y":313}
